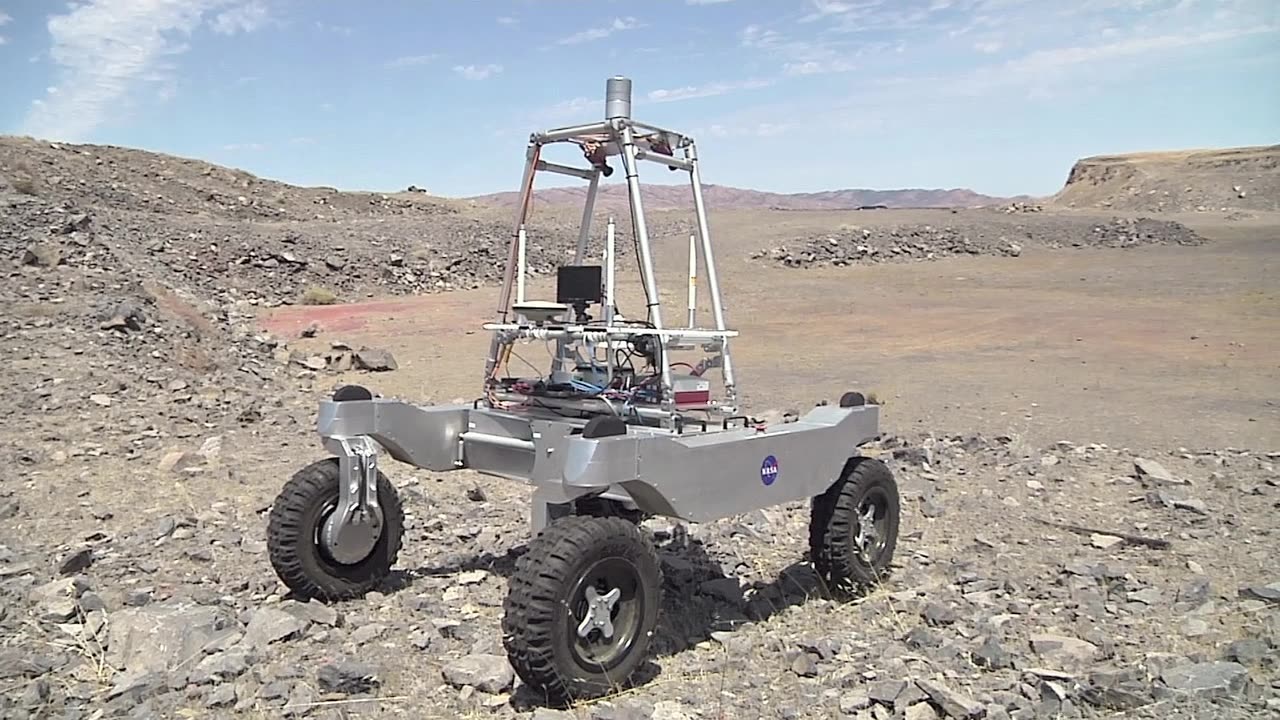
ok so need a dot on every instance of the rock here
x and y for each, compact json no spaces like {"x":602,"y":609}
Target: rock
{"x":1250,"y":651}
{"x":921,"y":711}
{"x":270,"y":625}
{"x":1268,"y":593}
{"x":951,"y":703}
{"x":347,"y":677}
{"x":1207,"y":680}
{"x":805,"y":665}
{"x":992,"y":656}
{"x":1067,"y":651}
{"x":55,"y":602}
{"x":76,"y":561}
{"x":177,"y":461}
{"x":1154,"y":471}
{"x":222,"y":666}
{"x":375,"y":360}
{"x":486,"y":673}
{"x":42,"y":255}
{"x":851,"y":703}
{"x":1104,"y":542}
{"x":158,"y":638}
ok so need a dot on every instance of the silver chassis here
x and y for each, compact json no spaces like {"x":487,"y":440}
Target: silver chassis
{"x":689,"y":474}
{"x":664,"y":464}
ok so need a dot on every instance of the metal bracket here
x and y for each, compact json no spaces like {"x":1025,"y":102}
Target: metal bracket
{"x":352,"y":530}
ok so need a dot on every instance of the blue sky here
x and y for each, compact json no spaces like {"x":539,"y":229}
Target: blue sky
{"x":996,"y":95}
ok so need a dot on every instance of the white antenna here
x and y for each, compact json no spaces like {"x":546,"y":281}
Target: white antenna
{"x":608,"y":273}
{"x":693,"y":280}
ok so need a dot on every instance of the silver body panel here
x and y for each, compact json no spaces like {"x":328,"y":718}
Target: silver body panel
{"x":696,"y":476}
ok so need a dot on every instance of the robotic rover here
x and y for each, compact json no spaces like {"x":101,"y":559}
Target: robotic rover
{"x":610,"y":434}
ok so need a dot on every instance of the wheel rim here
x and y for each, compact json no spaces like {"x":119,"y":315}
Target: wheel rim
{"x":606,"y":609}
{"x":873,"y":527}
{"x":322,"y":548}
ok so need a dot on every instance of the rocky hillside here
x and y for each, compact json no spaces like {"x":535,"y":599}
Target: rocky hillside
{"x":720,"y":197}
{"x":1244,"y":178}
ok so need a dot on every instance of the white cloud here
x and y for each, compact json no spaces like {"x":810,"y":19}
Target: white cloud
{"x":411,"y":60}
{"x":477,"y":72}
{"x":700,"y":91}
{"x":252,"y":147}
{"x":106,"y":49}
{"x":507,"y":20}
{"x":241,"y":18}
{"x":989,"y":47}
{"x":706,"y":2}
{"x":4,"y":20}
{"x":598,"y":33}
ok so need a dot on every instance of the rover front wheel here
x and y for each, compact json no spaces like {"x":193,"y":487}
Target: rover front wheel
{"x":581,"y":607}
{"x":853,"y":526}
{"x":294,"y":544}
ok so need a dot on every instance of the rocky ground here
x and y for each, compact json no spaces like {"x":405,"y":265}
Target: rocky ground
{"x":153,"y":422}
{"x":977,"y":234}
{"x":1066,"y":581}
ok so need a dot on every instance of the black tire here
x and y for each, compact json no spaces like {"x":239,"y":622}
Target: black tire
{"x":545,"y":602}
{"x":297,"y":516}
{"x":835,"y":522}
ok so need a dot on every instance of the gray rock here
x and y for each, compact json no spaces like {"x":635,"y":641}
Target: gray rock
{"x":347,"y":677}
{"x":221,"y":696}
{"x":920,"y":711}
{"x":1154,"y":471}
{"x":991,"y":655}
{"x":1067,"y":651}
{"x":315,"y":612}
{"x":158,"y":638}
{"x":270,"y":625}
{"x":1269,"y":593}
{"x":851,"y":703}
{"x":375,"y":360}
{"x":486,"y":673}
{"x":805,"y":665}
{"x":55,"y":601}
{"x":886,"y":691}
{"x":1250,"y":651}
{"x":952,"y":703}
{"x":1207,"y":680}
{"x":76,"y":561}
{"x":222,"y":666}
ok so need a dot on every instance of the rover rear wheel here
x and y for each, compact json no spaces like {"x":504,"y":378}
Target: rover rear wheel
{"x":581,"y":607}
{"x":294,"y":528}
{"x":853,"y":526}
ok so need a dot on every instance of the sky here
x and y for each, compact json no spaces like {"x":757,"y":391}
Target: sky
{"x":999,"y":96}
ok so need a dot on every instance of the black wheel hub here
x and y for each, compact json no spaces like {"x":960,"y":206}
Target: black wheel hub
{"x":606,"y":609}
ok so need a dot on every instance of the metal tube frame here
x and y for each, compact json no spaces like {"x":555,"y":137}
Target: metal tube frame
{"x":620,"y":135}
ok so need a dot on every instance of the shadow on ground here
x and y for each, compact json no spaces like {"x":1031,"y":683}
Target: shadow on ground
{"x":699,"y":600}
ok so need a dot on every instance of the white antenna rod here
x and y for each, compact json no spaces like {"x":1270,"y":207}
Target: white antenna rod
{"x":693,"y":281}
{"x":520,"y":267}
{"x":608,"y":273}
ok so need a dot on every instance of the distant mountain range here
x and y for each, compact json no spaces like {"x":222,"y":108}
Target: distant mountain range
{"x":721,"y":197}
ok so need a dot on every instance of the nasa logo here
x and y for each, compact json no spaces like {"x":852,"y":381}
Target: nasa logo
{"x":769,"y":470}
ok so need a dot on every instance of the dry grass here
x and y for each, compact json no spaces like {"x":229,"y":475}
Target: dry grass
{"x":317,"y":295}
{"x":170,"y":303}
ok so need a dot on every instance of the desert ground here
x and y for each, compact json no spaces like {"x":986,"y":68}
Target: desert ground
{"x":1081,"y":408}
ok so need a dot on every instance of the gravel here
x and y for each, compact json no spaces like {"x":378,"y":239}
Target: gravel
{"x":974,"y":235}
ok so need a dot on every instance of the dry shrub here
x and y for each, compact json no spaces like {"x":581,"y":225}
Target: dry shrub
{"x":316,"y":295}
